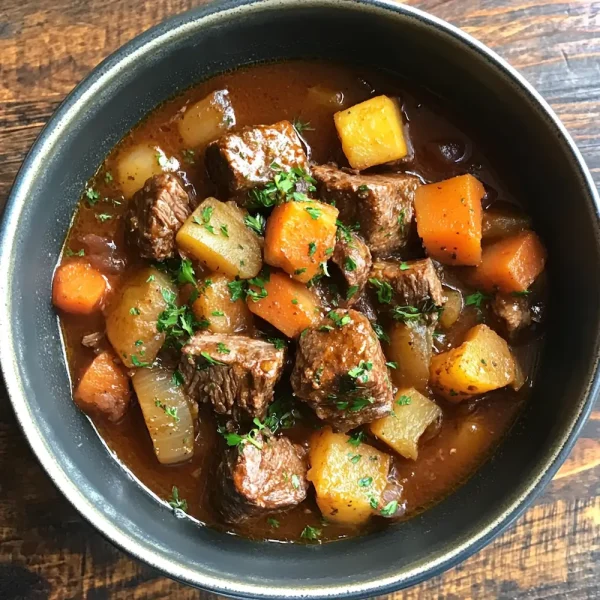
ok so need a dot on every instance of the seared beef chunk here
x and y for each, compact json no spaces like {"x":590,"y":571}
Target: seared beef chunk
{"x":513,"y":311}
{"x":242,"y":160}
{"x":413,"y":283}
{"x":234,"y":372}
{"x":381,"y":204}
{"x":155,"y":214}
{"x":340,"y":371}
{"x":252,"y":480}
{"x":353,"y":258}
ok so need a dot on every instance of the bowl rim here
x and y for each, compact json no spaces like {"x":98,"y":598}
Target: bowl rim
{"x":109,"y":68}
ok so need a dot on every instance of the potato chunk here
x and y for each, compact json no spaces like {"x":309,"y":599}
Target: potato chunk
{"x":413,"y":414}
{"x":410,"y":347}
{"x":215,"y":306}
{"x":482,"y":363}
{"x":207,"y":119}
{"x":137,"y":164}
{"x":215,"y":234}
{"x":131,"y":323}
{"x":349,"y":480}
{"x":371,"y":132}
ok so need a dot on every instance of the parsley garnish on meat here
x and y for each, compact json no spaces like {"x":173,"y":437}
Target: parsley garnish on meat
{"x":361,"y":373}
{"x":277,"y":342}
{"x":274,"y":523}
{"x":210,"y":360}
{"x":384,"y":290}
{"x":351,"y":291}
{"x":223,"y":349}
{"x":350,"y":264}
{"x":177,"y":379}
{"x":281,"y":415}
{"x":177,"y":322}
{"x":404,"y":266}
{"x":344,"y":232}
{"x":286,"y":186}
{"x":380,"y":333}
{"x":338,"y":320}
{"x":311,"y":533}
{"x":256,"y":223}
{"x":176,"y":502}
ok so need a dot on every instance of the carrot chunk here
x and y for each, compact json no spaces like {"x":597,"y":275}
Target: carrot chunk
{"x":288,"y":305}
{"x":449,"y":219}
{"x":510,"y":265}
{"x":299,"y":237}
{"x":78,"y":288}
{"x":104,"y":389}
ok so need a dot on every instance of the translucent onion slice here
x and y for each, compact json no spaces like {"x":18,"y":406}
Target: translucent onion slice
{"x":167,"y":413}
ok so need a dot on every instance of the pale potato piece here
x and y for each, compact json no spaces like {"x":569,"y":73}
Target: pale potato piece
{"x":482,"y":363}
{"x":410,"y":347}
{"x":215,"y":234}
{"x":452,"y":308}
{"x":413,"y":414}
{"x":207,"y":119}
{"x":167,"y":413}
{"x":214,"y":304}
{"x":371,"y":132}
{"x":348,"y":488}
{"x":137,"y":164}
{"x":131,"y":323}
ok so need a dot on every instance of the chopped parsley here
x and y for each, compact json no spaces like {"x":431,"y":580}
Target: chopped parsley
{"x":177,"y":378}
{"x":384,"y":290}
{"x":177,"y":322}
{"x":299,"y":271}
{"x":338,"y":320}
{"x":350,"y":264}
{"x":274,"y":523}
{"x":521,"y":293}
{"x":69,"y":252}
{"x":176,"y":502}
{"x":185,"y":273}
{"x":389,"y":509}
{"x":301,"y":126}
{"x":285,"y":186}
{"x":403,"y":401}
{"x":361,"y":373}
{"x":103,"y":217}
{"x":476,"y":299}
{"x":134,"y":310}
{"x":189,"y":156}
{"x":295,"y":481}
{"x":224,"y":231}
{"x":365,"y":481}
{"x":344,"y":232}
{"x":294,"y":300}
{"x":171,"y":411}
{"x":354,"y":458}
{"x":314,"y":212}
{"x":357,"y":438}
{"x":312,"y":248}
{"x":136,"y":362}
{"x":277,"y":342}
{"x":108,"y":177}
{"x":311,"y":533}
{"x":392,"y":365}
{"x":210,"y":360}
{"x":150,"y":279}
{"x":217,"y":313}
{"x":382,"y":335}
{"x":223,"y":349}
{"x":206,"y":215}
{"x":237,"y":289}
{"x":351,"y":291}
{"x":92,"y":196}
{"x":256,"y":223}
{"x":404,"y":266}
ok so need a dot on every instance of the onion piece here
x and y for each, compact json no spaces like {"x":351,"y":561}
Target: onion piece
{"x":167,"y":413}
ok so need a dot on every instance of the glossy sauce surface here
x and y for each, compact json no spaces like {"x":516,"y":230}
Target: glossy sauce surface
{"x":266,"y":94}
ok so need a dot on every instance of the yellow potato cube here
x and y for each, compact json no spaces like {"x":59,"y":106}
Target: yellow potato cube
{"x":215,"y":306}
{"x":413,"y":414}
{"x":482,"y":363}
{"x":215,"y":234}
{"x":371,"y":132}
{"x":348,"y":479}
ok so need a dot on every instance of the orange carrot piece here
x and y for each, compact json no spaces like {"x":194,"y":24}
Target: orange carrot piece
{"x":104,"y":389}
{"x":449,"y":219}
{"x":78,"y":288}
{"x":289,"y":305}
{"x":300,"y":236}
{"x":510,"y":265}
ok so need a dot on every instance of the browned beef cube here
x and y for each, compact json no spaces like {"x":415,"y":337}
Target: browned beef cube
{"x":381,"y":204}
{"x":155,"y":215}
{"x":242,"y":160}
{"x":234,"y":372}
{"x":253,"y":479}
{"x":353,"y":258}
{"x":513,"y":311}
{"x":413,"y":283}
{"x":340,"y":371}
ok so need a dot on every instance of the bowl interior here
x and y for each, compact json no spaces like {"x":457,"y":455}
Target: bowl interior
{"x":531,"y":153}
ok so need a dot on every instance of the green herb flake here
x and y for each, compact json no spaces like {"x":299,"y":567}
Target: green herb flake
{"x":299,"y":271}
{"x":69,"y":252}
{"x":224,"y":231}
{"x":389,"y":509}
{"x":404,"y":266}
{"x":177,"y":379}
{"x":354,"y":458}
{"x":403,"y":401}
{"x":256,"y":223}
{"x":365,"y":481}
{"x":176,"y":502}
{"x":392,"y":365}
{"x":312,"y":248}
{"x":134,"y":310}
{"x":357,"y":438}
{"x":314,"y":212}
{"x":210,"y":360}
{"x":384,"y":290}
{"x":351,"y":291}
{"x":301,"y":126}
{"x":295,"y":482}
{"x":92,"y":196}
{"x":274,"y":523}
{"x":476,"y":299}
{"x":311,"y":533}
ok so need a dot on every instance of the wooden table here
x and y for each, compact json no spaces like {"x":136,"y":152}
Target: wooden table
{"x":47,"y":550}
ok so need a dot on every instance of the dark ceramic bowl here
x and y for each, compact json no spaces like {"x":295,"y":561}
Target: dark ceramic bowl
{"x":534,"y":152}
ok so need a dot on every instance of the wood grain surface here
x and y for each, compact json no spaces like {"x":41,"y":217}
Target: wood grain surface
{"x":47,"y":551}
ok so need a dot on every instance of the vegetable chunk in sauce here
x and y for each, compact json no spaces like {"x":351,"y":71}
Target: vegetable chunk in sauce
{"x":205,"y":288}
